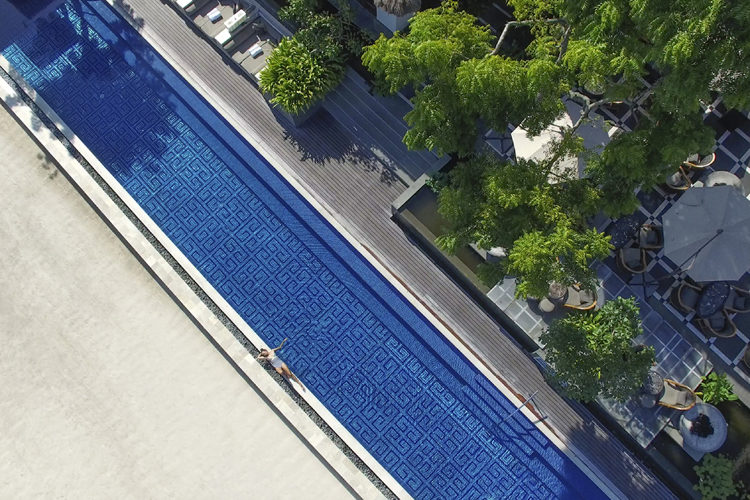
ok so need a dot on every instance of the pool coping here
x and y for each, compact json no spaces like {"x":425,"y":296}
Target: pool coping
{"x":186,"y":297}
{"x":223,"y":338}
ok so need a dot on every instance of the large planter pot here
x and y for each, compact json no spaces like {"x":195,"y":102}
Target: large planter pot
{"x":299,"y":119}
{"x":711,"y":442}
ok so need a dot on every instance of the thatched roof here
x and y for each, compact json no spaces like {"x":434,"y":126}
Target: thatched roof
{"x":399,"y":7}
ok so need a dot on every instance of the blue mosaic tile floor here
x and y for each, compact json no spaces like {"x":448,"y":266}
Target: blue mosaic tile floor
{"x":403,"y":391}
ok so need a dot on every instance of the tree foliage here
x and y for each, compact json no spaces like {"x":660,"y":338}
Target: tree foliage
{"x":444,"y":58}
{"x":690,"y":50}
{"x":593,"y":354}
{"x":501,"y":204}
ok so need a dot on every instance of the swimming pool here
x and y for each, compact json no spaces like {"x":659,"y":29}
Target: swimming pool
{"x":418,"y":406}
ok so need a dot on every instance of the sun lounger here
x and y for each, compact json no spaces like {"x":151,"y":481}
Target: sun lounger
{"x":233,"y":24}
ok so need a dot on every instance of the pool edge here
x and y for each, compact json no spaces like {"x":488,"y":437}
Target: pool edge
{"x":186,"y":297}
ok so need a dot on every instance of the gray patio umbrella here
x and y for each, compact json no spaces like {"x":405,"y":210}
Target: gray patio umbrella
{"x":399,"y":7}
{"x":707,"y":233}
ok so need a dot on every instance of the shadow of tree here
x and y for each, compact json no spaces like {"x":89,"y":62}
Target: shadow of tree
{"x":127,"y":11}
{"x":313,"y":140}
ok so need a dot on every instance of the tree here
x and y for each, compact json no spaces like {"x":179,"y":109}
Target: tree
{"x":500,"y":204}
{"x":444,"y":57}
{"x":691,"y":50}
{"x":593,"y":353}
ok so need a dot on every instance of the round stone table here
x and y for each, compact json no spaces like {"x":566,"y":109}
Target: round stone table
{"x":709,"y":443}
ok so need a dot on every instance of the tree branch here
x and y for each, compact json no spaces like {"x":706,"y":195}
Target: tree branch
{"x":513,"y":24}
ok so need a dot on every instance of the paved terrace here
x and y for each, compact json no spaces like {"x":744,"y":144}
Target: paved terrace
{"x":357,"y":189}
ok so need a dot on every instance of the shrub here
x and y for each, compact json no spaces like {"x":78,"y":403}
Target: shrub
{"x":305,"y":67}
{"x":715,"y":478}
{"x":717,"y":389}
{"x":296,"y":78}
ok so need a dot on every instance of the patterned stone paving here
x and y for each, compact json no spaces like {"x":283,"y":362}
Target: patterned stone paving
{"x":663,"y":328}
{"x":407,"y":395}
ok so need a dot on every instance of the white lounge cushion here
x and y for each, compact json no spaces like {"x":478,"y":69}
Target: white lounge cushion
{"x":255,"y":50}
{"x":223,"y":37}
{"x":214,"y":15}
{"x":236,"y":20}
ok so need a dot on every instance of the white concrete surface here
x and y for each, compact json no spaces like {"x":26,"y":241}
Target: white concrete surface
{"x":108,"y":389}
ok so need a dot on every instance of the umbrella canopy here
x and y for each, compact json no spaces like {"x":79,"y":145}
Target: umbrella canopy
{"x":399,"y":7}
{"x":594,"y":134}
{"x":707,"y":232}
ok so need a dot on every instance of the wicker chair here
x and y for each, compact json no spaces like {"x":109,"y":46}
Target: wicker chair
{"x":738,"y":300}
{"x":686,"y":296}
{"x":678,"y":181}
{"x":718,"y":325}
{"x":700,"y":162}
{"x":677,"y":396}
{"x":633,"y":260}
{"x":582,"y":300}
{"x":650,"y":237}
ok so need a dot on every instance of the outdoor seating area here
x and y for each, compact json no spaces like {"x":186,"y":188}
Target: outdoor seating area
{"x":240,"y":29}
{"x":683,"y":255}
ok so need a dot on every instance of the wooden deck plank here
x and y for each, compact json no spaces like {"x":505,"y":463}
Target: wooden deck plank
{"x":346,"y":177}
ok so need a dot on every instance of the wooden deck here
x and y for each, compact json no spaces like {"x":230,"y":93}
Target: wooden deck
{"x":355,"y":186}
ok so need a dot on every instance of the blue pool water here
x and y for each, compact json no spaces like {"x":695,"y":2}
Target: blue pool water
{"x":384,"y":371}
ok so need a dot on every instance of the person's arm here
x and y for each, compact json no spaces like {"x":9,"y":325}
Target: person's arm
{"x":282,"y":343}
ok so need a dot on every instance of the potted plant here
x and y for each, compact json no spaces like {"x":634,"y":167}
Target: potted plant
{"x":716,"y":388}
{"x":702,"y":426}
{"x":305,"y":67}
{"x":296,"y":79}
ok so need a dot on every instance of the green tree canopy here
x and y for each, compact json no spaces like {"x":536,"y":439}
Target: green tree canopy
{"x":593,"y":354}
{"x":444,"y":57}
{"x":691,"y":51}
{"x":501,"y":204}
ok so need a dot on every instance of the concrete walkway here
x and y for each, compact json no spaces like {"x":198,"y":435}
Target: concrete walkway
{"x":108,"y":390}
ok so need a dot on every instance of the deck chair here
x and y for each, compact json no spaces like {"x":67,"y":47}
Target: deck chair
{"x":678,"y":181}
{"x":738,"y":300}
{"x":677,"y":396}
{"x":650,"y":237}
{"x":633,"y":260}
{"x":190,"y":6}
{"x":582,"y":300}
{"x":234,"y":24}
{"x":719,"y":325}
{"x":700,"y":162}
{"x":685,"y":297}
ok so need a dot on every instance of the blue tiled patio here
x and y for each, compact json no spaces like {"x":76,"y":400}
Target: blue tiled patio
{"x":681,"y":346}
